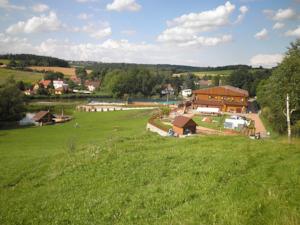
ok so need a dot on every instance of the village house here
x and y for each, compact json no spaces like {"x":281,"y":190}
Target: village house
{"x":167,"y":89}
{"x":226,"y":98}
{"x":45,"y":83}
{"x":60,"y":84}
{"x":92,"y":85}
{"x":43,"y":117}
{"x":186,"y":92}
{"x":184,"y":125}
{"x":59,"y":91}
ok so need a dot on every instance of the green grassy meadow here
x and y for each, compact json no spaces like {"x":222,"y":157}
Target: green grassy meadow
{"x":4,"y":61}
{"x":110,"y":170}
{"x":29,"y":77}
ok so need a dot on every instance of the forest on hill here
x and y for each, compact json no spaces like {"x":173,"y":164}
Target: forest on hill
{"x":25,"y":60}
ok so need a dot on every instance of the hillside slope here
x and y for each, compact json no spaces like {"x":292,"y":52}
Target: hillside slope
{"x":110,"y":170}
{"x":30,"y":77}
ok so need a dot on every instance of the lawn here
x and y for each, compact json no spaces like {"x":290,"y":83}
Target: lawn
{"x":30,"y":77}
{"x":217,"y":121}
{"x":110,"y":170}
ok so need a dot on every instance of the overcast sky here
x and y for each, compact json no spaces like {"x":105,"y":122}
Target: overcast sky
{"x":185,"y":32}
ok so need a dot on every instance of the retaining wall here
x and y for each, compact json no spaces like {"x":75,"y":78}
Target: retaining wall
{"x":155,"y":129}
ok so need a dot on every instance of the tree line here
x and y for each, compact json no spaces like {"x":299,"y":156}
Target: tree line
{"x":25,"y":60}
{"x":284,"y":82}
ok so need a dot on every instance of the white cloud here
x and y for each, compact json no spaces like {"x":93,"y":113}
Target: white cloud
{"x":97,"y":31}
{"x":102,"y":33}
{"x":123,"y":5}
{"x":106,"y":51}
{"x":266,"y":60}
{"x":36,"y":24}
{"x":6,"y":5}
{"x":84,"y":16}
{"x":207,"y":41}
{"x":40,"y":8}
{"x":128,"y":32}
{"x":243,"y":10}
{"x":262,"y":35}
{"x":278,"y":26}
{"x":85,"y":1}
{"x":280,"y":14}
{"x":295,"y":32}
{"x":184,"y":30}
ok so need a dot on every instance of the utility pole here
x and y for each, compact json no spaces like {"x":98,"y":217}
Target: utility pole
{"x":288,"y":114}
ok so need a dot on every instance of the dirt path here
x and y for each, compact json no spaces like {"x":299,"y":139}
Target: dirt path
{"x":209,"y":131}
{"x":259,"y":126}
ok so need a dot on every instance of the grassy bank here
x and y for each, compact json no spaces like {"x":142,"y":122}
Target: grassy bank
{"x":110,"y":170}
{"x":28,"y":77}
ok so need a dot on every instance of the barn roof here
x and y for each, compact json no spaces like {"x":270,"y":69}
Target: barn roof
{"x":38,"y":116}
{"x":223,"y":90}
{"x":181,"y":121}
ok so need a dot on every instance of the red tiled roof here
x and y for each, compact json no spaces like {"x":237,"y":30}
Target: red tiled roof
{"x":45,"y":83}
{"x":223,"y":90}
{"x":181,"y":121}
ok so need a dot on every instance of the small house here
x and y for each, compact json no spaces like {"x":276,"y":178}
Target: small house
{"x":92,"y":85}
{"x":59,"y":91}
{"x":45,"y":83}
{"x":184,"y":125}
{"x":167,"y":89}
{"x":43,"y":117}
{"x":60,"y":84}
{"x":186,"y":92}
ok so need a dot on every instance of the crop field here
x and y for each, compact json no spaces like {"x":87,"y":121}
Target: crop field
{"x":214,"y":73}
{"x":65,"y":71}
{"x":30,"y":77}
{"x":105,"y":168}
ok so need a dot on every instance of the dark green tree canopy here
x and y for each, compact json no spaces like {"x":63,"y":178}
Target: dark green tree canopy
{"x":285,"y":80}
{"x":11,"y":101}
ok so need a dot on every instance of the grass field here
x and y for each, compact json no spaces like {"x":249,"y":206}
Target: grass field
{"x":30,"y":77}
{"x":110,"y":170}
{"x":4,"y":61}
{"x":65,"y":71}
{"x":217,"y":122}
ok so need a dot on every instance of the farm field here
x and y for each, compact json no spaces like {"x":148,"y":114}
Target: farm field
{"x":30,"y":77}
{"x":213,"y":73}
{"x":110,"y":170}
{"x":65,"y":71}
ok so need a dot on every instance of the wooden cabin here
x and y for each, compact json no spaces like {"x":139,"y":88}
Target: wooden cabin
{"x":226,"y":98}
{"x":183,"y":125}
{"x":43,"y":118}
